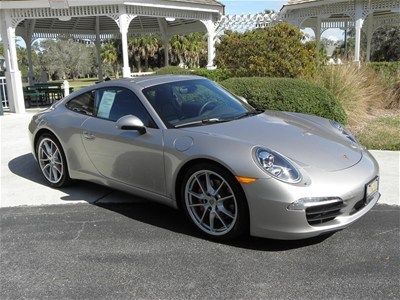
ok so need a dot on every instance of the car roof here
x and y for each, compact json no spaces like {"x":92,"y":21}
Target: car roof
{"x":137,"y":83}
{"x":148,"y":81}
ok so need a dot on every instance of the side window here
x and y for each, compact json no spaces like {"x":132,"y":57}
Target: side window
{"x":83,"y":104}
{"x":114,"y":103}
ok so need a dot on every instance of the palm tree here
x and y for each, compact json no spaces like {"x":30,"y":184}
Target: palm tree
{"x":151,"y":45}
{"x":137,"y":50}
{"x":179,"y":46}
{"x":109,"y":56}
{"x":196,"y":48}
{"x":188,"y":49}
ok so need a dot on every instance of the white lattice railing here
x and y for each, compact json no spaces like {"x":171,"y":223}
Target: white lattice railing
{"x":245,"y":22}
{"x":3,"y":92}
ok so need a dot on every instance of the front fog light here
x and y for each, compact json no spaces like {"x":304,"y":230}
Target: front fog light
{"x":303,"y":203}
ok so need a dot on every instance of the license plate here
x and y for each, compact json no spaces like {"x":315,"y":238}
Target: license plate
{"x":371,"y":189}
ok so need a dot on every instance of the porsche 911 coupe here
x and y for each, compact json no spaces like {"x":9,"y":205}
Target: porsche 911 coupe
{"x":187,"y":142}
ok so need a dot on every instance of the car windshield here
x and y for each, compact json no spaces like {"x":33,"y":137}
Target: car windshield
{"x":195,"y":102}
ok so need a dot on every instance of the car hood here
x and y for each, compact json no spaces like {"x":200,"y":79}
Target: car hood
{"x":308,"y":140}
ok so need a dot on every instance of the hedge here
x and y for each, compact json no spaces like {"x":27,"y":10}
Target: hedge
{"x":216,"y":75}
{"x":173,"y":70}
{"x":388,"y":71}
{"x":287,"y":94}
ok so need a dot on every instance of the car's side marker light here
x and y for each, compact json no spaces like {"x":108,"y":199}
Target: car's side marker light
{"x":245,"y":180}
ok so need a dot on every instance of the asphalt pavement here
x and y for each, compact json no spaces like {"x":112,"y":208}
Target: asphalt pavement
{"x":148,"y":251}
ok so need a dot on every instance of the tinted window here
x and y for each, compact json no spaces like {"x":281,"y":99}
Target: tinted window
{"x":83,"y":104}
{"x":114,"y":103}
{"x":186,"y":101}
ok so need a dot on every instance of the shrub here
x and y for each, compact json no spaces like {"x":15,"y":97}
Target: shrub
{"x":287,"y":94}
{"x":276,"y":51}
{"x":358,"y":89}
{"x":387,"y":71}
{"x":173,"y":70}
{"x":216,"y":75}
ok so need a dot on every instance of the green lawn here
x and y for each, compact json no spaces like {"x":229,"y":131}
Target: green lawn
{"x":382,"y":133}
{"x":77,"y":84}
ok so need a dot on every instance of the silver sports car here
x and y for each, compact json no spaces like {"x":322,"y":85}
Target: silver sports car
{"x":187,"y":142}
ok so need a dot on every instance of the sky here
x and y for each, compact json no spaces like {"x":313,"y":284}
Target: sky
{"x":239,"y":7}
{"x":251,"y":6}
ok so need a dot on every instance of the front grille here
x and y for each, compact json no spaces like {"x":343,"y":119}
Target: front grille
{"x":323,"y":213}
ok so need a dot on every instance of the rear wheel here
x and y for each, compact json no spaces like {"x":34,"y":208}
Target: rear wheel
{"x":52,"y":161}
{"x":214,"y":202}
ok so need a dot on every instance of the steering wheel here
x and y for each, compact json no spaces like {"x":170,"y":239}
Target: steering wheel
{"x":206,"y":107}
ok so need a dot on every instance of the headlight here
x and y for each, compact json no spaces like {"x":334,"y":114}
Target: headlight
{"x":277,"y":165}
{"x":344,"y":131}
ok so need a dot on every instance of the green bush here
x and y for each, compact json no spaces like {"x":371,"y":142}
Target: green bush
{"x":216,"y":75}
{"x":389,"y":72}
{"x":173,"y":70}
{"x":287,"y":94}
{"x":276,"y":51}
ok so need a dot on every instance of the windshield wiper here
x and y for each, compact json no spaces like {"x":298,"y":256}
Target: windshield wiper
{"x":249,"y":113}
{"x":201,"y":122}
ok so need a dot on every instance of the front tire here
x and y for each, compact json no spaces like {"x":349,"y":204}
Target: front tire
{"x":214,"y":202}
{"x":52,"y":161}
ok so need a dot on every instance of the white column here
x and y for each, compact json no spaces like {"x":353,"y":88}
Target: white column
{"x":13,"y":74}
{"x":124,"y":20}
{"x":358,"y":25}
{"x":98,"y":50}
{"x":209,"y":24}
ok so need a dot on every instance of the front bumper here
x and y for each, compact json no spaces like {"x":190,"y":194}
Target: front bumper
{"x":269,"y":199}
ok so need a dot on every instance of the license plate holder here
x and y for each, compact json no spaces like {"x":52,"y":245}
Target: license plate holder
{"x":371,"y":188}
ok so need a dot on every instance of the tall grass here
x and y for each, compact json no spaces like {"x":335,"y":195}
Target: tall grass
{"x":358,"y":89}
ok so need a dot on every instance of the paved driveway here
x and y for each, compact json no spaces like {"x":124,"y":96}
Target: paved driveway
{"x":148,"y":251}
{"x":119,"y":246}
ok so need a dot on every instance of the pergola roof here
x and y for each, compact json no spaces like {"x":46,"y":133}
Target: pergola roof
{"x":85,"y":27}
{"x":53,"y":18}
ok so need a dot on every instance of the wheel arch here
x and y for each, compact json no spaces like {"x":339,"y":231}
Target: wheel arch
{"x":45,"y":130}
{"x":186,"y":166}
{"x":39,"y":133}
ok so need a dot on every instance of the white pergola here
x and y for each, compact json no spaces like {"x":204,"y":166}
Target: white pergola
{"x":320,"y":15}
{"x":363,"y":15}
{"x":98,"y":20}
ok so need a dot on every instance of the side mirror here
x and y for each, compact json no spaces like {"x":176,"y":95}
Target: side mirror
{"x":243,"y":99}
{"x":131,"y":122}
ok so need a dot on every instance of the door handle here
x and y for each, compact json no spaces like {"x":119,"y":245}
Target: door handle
{"x":89,"y":136}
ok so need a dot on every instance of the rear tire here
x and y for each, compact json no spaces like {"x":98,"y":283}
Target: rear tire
{"x":52,"y":161}
{"x":214,"y":202}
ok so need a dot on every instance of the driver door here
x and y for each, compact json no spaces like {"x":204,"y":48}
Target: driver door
{"x":124,"y":155}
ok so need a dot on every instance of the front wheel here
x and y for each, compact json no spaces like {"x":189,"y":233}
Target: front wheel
{"x":214,"y":202}
{"x":52,"y":161}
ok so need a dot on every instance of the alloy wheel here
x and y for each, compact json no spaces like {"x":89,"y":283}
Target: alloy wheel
{"x":50,"y":160}
{"x":211,"y":202}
